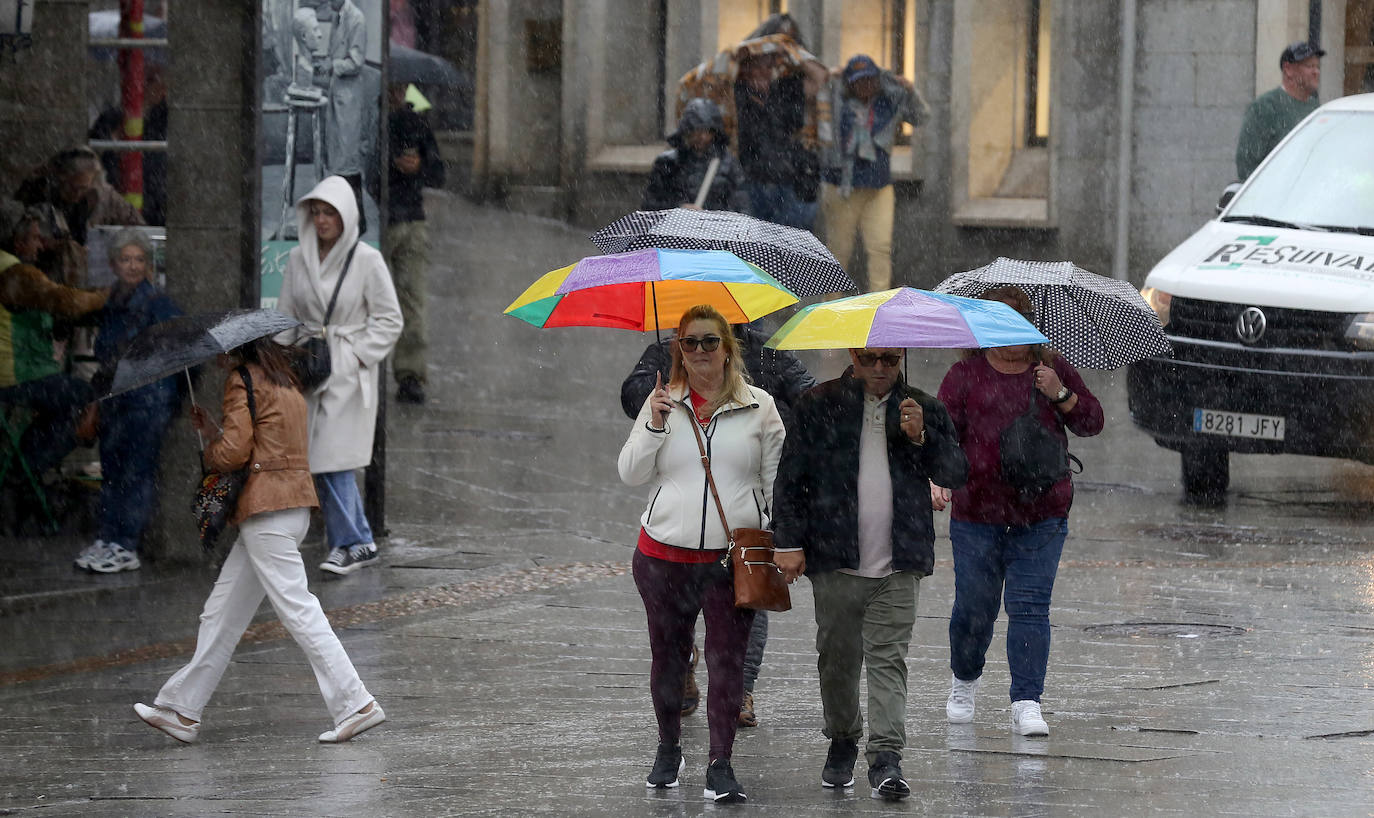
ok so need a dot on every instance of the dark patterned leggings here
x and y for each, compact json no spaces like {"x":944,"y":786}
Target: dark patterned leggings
{"x":674,"y":593}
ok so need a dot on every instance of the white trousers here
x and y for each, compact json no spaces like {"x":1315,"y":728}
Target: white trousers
{"x":265,"y":561}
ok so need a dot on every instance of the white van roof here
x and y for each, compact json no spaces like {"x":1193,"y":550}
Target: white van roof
{"x":1354,"y":102}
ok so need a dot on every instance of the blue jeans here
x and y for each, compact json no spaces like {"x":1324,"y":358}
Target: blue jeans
{"x":345,"y":523}
{"x":1024,"y":561}
{"x":131,"y":434}
{"x":779,"y":204}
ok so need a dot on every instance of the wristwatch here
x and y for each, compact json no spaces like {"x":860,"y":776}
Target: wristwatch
{"x":1064,"y":394}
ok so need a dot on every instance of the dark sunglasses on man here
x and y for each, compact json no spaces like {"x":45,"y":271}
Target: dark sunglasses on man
{"x":708,"y":344}
{"x":871,"y":358}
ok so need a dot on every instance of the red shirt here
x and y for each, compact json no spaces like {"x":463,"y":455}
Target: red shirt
{"x":982,"y":402}
{"x":651,"y":547}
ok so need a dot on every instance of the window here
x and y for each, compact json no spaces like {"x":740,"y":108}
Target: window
{"x":1000,"y":111}
{"x":1359,"y":47}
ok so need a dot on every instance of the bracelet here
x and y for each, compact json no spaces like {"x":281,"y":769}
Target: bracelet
{"x":662,"y":431}
{"x":1063,"y":396}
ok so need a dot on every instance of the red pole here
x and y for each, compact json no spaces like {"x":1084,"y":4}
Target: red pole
{"x":131,"y":96}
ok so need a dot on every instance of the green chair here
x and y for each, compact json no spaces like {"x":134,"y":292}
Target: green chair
{"x":10,"y":454}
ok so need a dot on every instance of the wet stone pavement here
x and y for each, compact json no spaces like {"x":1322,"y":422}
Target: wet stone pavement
{"x":1205,"y":661}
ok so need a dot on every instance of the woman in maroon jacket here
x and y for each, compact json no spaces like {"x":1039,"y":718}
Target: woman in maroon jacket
{"x":1006,"y":542}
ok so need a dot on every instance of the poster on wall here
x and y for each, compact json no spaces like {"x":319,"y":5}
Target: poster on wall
{"x":321,"y":107}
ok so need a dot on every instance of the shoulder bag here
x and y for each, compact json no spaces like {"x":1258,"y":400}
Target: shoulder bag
{"x":311,"y":362}
{"x":1033,"y":458}
{"x":759,"y":584}
{"x":218,"y":495}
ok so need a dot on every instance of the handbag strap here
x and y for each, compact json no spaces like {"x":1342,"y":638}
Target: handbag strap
{"x":706,"y":464}
{"x":333,"y":299}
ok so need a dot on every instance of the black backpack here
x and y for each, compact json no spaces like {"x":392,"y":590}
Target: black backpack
{"x":1033,"y":458}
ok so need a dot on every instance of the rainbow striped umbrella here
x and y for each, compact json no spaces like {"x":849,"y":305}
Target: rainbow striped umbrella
{"x":905,"y":318}
{"x":649,"y":289}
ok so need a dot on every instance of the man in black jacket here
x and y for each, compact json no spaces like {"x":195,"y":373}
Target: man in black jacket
{"x":415,"y":165}
{"x":781,"y":375}
{"x":852,"y":511}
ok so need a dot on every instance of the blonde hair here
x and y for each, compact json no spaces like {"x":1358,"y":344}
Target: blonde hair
{"x":736,"y":382}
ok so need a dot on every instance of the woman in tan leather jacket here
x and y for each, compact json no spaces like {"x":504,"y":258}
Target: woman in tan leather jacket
{"x":273,"y":516}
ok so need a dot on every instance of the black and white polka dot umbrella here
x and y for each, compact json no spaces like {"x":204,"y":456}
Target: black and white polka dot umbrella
{"x":794,"y":257}
{"x":1094,"y":321}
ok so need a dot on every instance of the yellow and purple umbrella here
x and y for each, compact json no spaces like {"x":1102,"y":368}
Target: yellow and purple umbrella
{"x":633,"y":290}
{"x":905,"y":318}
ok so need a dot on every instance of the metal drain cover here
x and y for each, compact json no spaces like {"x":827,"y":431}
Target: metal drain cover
{"x":1165,"y":630}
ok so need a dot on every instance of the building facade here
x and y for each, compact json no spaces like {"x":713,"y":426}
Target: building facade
{"x":1024,"y":153}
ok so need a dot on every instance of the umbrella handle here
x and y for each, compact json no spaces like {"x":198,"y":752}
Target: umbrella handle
{"x":191,"y":390}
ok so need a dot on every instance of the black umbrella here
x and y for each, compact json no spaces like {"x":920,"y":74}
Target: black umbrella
{"x":1094,"y":321}
{"x":188,"y":340}
{"x":407,"y":65}
{"x":794,"y":257}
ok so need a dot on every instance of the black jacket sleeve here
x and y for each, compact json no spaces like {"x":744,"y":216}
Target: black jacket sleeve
{"x":432,"y":167}
{"x":793,"y":375}
{"x":639,"y":383}
{"x":793,"y":487}
{"x":940,"y":458}
{"x":662,"y":190}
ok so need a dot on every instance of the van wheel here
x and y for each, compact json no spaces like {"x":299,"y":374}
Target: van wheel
{"x":1206,"y":474}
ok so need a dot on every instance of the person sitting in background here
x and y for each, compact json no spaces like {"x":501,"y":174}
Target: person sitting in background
{"x":110,"y":125}
{"x":132,"y":424}
{"x":30,"y":370}
{"x":73,"y":181}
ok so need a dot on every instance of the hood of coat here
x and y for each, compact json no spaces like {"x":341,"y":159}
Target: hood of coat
{"x":336,"y":192}
{"x":699,"y":113}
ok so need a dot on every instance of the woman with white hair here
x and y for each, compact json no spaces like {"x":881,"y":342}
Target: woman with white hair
{"x":133,"y":424}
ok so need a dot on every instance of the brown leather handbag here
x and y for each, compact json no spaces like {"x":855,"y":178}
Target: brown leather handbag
{"x":759,"y":584}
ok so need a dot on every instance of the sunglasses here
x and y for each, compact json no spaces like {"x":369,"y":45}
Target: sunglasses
{"x":871,"y":358}
{"x":708,"y":344}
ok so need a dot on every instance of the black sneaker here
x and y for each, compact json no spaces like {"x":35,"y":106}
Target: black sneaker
{"x":668,"y":766}
{"x":839,"y":763}
{"x":347,"y":560}
{"x":410,"y":390}
{"x":721,"y":785}
{"x":885,"y":777}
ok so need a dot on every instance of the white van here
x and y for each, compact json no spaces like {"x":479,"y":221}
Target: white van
{"x":1270,"y":310}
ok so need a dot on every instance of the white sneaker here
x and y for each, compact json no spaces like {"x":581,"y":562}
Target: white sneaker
{"x":90,"y":552}
{"x":113,"y":559}
{"x":1026,"y":719}
{"x":354,"y":724}
{"x":959,"y":707}
{"x":167,"y":720}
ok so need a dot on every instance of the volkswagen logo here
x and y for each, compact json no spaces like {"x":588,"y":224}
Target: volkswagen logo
{"x":1250,"y":325}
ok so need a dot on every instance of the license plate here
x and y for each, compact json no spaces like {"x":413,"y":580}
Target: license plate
{"x":1238,"y":424}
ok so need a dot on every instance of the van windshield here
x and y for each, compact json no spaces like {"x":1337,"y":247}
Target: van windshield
{"x":1323,"y":176}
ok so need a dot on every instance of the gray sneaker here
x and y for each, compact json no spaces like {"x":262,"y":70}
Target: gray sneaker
{"x":90,"y":552}
{"x":113,"y":559}
{"x":344,"y":561}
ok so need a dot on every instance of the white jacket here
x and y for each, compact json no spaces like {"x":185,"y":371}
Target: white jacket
{"x":744,"y":442}
{"x":363,"y":329}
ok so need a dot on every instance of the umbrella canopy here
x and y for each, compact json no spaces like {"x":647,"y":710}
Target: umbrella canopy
{"x":188,"y":340}
{"x":408,"y":65}
{"x":634,"y":290}
{"x":795,"y":257}
{"x":905,"y":318}
{"x":1095,"y":322}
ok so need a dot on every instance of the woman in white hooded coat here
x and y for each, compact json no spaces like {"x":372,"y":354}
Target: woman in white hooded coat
{"x":361,"y":332}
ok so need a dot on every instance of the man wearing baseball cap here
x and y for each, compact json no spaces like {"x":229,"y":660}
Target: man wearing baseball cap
{"x":867,"y":108}
{"x":1274,"y":113}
